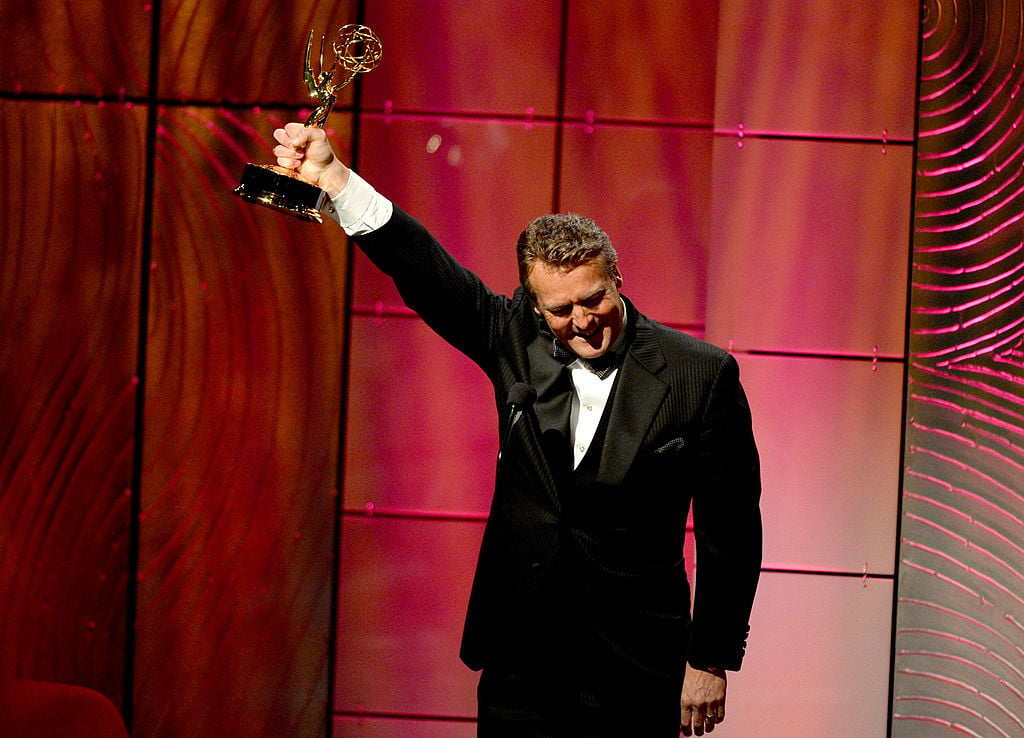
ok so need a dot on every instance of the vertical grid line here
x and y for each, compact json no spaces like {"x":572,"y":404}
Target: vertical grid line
{"x":906,"y":389}
{"x":556,"y":194}
{"x":344,"y":382}
{"x":135,"y":503}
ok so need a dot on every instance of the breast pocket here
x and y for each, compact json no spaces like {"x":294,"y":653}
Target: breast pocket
{"x":663,"y":472}
{"x":672,"y":447}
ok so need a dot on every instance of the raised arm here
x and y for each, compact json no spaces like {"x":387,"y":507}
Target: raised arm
{"x":452,"y":300}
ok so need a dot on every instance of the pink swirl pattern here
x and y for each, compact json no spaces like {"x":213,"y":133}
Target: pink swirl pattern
{"x":959,"y":663}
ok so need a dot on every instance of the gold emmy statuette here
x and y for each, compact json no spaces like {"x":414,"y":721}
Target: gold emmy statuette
{"x":356,"y":49}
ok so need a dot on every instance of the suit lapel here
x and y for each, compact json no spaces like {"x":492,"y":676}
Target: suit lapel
{"x":637,"y":398}
{"x":544,"y":431}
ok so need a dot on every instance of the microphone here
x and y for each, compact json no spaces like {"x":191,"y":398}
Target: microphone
{"x":520,"y":397}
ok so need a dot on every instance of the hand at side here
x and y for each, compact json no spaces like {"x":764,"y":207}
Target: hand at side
{"x":702,"y":703}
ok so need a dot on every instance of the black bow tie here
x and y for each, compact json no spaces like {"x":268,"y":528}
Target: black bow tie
{"x":602,"y":365}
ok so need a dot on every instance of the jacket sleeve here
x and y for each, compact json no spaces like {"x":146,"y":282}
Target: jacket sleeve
{"x":727,"y":526}
{"x":451,"y":299}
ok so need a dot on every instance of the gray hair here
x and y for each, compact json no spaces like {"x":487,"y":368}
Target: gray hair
{"x":565,"y":241}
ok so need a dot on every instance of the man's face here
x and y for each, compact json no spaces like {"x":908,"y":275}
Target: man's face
{"x":581,"y":306}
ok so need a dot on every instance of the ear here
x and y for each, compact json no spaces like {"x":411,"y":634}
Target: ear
{"x":529,"y":292}
{"x":617,"y":277}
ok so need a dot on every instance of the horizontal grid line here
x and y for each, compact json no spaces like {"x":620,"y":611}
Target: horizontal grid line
{"x":381,"y":715}
{"x":874,"y":358}
{"x":524,"y":118}
{"x":394,"y":513}
{"x":829,"y":573}
{"x":471,"y":517}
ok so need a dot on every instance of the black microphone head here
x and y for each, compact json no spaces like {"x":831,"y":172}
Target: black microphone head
{"x":521,"y":394}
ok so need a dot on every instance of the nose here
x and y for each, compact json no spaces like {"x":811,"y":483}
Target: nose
{"x":582,"y":318}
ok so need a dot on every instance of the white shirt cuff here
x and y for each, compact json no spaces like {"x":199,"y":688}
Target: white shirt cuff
{"x":359,"y":208}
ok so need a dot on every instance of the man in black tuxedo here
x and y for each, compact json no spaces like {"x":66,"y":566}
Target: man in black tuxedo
{"x":579,"y":615}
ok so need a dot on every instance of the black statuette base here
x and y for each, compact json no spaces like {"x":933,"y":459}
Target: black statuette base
{"x":282,"y":190}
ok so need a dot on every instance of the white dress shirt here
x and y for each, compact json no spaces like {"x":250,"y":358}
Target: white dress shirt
{"x":589,"y":399}
{"x":359,"y":208}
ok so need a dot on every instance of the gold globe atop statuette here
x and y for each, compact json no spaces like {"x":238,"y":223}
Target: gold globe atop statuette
{"x":356,"y":50}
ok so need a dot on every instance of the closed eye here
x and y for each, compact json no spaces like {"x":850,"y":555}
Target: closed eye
{"x":590,"y":302}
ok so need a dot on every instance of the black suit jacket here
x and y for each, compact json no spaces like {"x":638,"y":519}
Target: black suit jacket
{"x":597,"y":571}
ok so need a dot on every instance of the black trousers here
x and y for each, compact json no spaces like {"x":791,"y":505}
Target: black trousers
{"x":574,"y":703}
